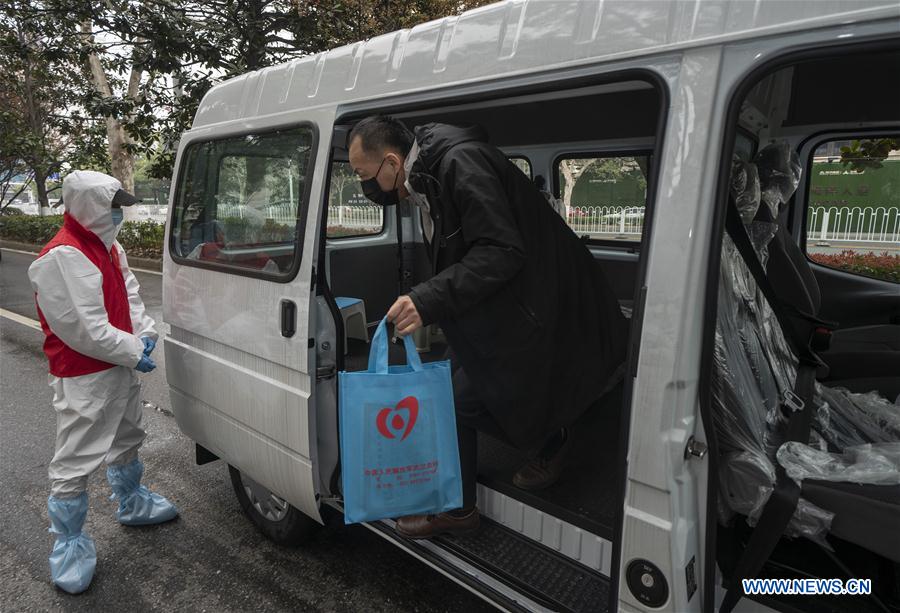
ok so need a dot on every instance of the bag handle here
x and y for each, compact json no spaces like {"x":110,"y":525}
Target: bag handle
{"x":378,"y":354}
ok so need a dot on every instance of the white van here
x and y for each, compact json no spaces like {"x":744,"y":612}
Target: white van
{"x":631,"y":112}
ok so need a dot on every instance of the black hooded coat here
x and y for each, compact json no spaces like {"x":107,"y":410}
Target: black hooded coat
{"x":525,"y":308}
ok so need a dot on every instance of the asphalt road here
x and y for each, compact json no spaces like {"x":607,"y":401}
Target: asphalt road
{"x":211,"y":558}
{"x":830,"y":247}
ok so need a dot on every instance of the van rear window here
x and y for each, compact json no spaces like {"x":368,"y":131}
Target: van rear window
{"x":239,"y":199}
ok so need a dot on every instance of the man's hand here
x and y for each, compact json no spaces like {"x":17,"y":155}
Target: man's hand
{"x":404,"y":316}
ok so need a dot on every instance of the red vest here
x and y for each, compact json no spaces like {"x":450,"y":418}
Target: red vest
{"x":65,"y":361}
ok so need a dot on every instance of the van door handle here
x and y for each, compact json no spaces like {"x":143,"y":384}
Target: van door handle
{"x":288,"y":318}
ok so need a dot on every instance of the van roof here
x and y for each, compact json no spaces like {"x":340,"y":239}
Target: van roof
{"x":512,"y":37}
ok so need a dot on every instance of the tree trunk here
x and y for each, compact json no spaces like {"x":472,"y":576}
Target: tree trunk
{"x":35,"y":116}
{"x":121,"y":160}
{"x":571,"y":176}
{"x":40,"y":182}
{"x":569,"y":183}
{"x":255,"y":37}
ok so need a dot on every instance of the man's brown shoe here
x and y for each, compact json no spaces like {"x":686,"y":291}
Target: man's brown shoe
{"x":427,"y":526}
{"x":544,"y":470}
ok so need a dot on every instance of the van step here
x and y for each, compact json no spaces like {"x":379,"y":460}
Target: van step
{"x":537,"y":571}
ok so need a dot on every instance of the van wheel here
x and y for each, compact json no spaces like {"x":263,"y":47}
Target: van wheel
{"x":273,"y":516}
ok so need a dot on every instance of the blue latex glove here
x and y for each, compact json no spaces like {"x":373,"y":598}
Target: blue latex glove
{"x":145,"y":365}
{"x":149,"y":345}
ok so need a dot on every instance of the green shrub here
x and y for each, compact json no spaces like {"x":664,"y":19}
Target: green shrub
{"x":880,"y":266}
{"x":142,"y":239}
{"x":138,"y":238}
{"x":249,"y":232}
{"x":30,"y":228}
{"x":335,"y":231}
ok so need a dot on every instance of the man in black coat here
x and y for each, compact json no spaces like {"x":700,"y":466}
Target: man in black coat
{"x":535,"y":331}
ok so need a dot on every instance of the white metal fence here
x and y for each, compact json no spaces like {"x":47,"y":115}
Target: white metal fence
{"x":616,"y":220}
{"x":880,"y":224}
{"x":877,"y":224}
{"x":356,"y":217}
{"x":285,"y":214}
{"x":626,"y":221}
{"x":347,"y":216}
{"x":151,"y":212}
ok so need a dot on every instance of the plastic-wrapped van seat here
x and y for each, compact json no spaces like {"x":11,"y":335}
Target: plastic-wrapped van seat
{"x":853,"y":438}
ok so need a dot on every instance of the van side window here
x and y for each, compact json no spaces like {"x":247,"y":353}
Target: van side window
{"x":238,"y":200}
{"x":523,"y":164}
{"x":350,"y":213}
{"x":604,"y":197}
{"x":853,"y":206}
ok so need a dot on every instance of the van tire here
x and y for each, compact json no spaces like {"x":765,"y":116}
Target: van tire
{"x":288,"y":527}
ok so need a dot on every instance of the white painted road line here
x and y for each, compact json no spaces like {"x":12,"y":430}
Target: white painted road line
{"x":31,"y":253}
{"x":21,"y":319}
{"x":133,"y":269}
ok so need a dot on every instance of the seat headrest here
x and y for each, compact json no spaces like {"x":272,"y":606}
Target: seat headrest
{"x":779,"y":175}
{"x":745,"y":188}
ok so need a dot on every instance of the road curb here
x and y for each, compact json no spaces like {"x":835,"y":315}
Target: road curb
{"x":133,"y":262}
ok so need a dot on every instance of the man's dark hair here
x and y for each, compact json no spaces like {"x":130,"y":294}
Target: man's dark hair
{"x":380,"y":132}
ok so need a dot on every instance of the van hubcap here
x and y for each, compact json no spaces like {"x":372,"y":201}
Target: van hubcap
{"x":265,"y":502}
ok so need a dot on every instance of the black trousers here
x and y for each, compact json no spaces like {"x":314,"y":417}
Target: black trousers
{"x":471,"y":417}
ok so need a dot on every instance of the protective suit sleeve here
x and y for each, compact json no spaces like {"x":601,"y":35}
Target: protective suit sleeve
{"x":69,"y":291}
{"x":141,"y":323}
{"x":496,"y":250}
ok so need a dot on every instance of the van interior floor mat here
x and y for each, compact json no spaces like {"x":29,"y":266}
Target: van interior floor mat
{"x":542,"y":574}
{"x":586,"y":494}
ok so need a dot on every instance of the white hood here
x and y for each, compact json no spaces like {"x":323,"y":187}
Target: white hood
{"x":88,"y":196}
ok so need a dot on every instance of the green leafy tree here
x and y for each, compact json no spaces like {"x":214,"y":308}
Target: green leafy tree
{"x":869,"y":153}
{"x":133,"y":72}
{"x":237,"y":36}
{"x":38,"y":132}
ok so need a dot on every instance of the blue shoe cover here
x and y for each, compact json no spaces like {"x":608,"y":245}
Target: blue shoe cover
{"x":73,"y":558}
{"x":138,"y":506}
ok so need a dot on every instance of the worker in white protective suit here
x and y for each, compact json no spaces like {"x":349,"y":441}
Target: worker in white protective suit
{"x":97,"y":335}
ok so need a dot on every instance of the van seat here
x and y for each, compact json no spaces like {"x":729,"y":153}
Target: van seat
{"x":868,"y":515}
{"x":866,"y":338}
{"x":864,"y":371}
{"x":755,"y":369}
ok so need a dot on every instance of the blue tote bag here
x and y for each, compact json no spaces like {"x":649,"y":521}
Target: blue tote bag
{"x":399,"y":451}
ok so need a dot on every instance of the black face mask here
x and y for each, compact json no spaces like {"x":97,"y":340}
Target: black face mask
{"x":373,"y":191}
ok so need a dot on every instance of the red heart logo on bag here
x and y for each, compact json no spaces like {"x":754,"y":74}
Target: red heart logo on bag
{"x":391,"y":421}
